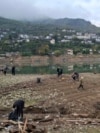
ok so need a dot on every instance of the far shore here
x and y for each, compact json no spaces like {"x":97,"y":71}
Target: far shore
{"x":46,"y":60}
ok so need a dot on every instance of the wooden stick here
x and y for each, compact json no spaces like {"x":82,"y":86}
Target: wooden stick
{"x":11,"y":121}
{"x":24,"y":126}
{"x":20,"y":127}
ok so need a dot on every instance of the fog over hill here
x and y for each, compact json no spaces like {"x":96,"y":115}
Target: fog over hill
{"x":35,"y":9}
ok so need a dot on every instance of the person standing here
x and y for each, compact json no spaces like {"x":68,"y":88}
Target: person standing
{"x":13,"y":70}
{"x":81,"y":84}
{"x":59,"y":71}
{"x":4,"y":70}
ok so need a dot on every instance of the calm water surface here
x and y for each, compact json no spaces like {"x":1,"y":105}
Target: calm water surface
{"x":51,"y":69}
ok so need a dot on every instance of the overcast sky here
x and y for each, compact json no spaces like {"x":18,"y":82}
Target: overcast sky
{"x":34,"y":9}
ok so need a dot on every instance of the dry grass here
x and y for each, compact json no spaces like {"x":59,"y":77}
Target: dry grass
{"x":10,"y":80}
{"x":53,"y":91}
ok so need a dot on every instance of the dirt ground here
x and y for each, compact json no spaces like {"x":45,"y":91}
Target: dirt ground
{"x":55,"y":103}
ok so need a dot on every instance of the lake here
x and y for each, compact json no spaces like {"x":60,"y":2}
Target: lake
{"x":48,"y":65}
{"x":51,"y":69}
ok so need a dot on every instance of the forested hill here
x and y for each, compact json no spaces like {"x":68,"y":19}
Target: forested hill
{"x":77,"y":24}
{"x":49,"y":24}
{"x":9,"y":23}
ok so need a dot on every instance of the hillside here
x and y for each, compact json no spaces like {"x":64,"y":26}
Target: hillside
{"x":76,"y":24}
{"x":48,"y":24}
{"x":9,"y":23}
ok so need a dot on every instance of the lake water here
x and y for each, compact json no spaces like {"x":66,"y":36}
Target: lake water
{"x":51,"y":69}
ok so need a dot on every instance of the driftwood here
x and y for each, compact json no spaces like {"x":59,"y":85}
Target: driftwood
{"x":47,"y":120}
{"x":12,"y":122}
{"x":84,"y":121}
{"x":19,"y":127}
{"x":80,"y":115}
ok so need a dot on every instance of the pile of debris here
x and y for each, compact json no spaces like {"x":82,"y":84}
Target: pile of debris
{"x":20,"y":127}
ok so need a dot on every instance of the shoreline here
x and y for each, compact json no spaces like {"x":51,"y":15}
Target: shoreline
{"x":46,"y":60}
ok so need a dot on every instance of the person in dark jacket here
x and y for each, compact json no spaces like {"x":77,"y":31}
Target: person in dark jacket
{"x":18,"y":106}
{"x":5,"y":69}
{"x":13,"y":70}
{"x":59,"y":71}
{"x":17,"y":113}
{"x":75,"y":76}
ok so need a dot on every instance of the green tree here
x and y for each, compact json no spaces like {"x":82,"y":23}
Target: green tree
{"x":43,"y":50}
{"x":57,"y":53}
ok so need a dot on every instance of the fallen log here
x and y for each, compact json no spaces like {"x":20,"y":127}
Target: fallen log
{"x":84,"y":121}
{"x":46,"y":120}
{"x":9,"y":122}
{"x":80,"y":115}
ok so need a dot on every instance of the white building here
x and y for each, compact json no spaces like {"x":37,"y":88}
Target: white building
{"x":64,"y":30}
{"x":70,"y":52}
{"x":48,"y":37}
{"x":84,"y":37}
{"x":64,"y":40}
{"x":70,"y":68}
{"x":52,"y":41}
{"x":91,"y":51}
{"x":97,"y":39}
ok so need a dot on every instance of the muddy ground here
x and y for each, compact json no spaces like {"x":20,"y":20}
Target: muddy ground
{"x":55,"y":104}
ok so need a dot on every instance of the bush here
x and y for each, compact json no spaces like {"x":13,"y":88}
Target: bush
{"x":57,"y":53}
{"x":26,"y":54}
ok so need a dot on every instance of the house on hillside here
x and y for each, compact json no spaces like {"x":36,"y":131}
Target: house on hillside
{"x":52,"y":41}
{"x":63,"y":30}
{"x":48,"y":37}
{"x":91,"y":51}
{"x":70,"y":68}
{"x":64,"y":40}
{"x":70,"y":52}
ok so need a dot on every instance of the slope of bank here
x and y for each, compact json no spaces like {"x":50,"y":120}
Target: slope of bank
{"x":46,"y":60}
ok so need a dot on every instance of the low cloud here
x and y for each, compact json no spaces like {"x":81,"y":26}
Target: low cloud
{"x":35,"y":9}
